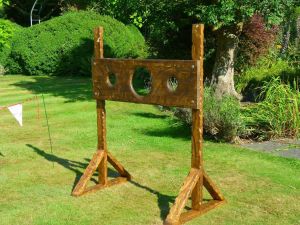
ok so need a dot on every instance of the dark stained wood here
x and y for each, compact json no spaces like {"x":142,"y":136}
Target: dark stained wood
{"x":186,"y":72}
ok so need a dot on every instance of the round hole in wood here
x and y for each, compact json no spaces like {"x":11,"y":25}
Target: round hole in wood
{"x":112,"y":79}
{"x":141,"y":81}
{"x":172,"y":83}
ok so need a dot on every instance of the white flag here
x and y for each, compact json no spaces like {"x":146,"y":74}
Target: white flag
{"x":17,"y":112}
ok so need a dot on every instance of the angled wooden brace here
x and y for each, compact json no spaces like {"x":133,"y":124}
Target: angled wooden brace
{"x":197,"y":178}
{"x":102,"y":156}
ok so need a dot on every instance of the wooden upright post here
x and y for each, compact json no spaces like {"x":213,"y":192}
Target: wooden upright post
{"x":102,"y":156}
{"x":101,"y":113}
{"x":197,"y":179}
{"x":197,"y":117}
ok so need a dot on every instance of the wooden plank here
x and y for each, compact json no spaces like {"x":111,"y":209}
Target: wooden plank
{"x":185,"y":71}
{"x":115,"y":181}
{"x":101,"y":113}
{"x":212,"y":188}
{"x":197,"y":117}
{"x":102,"y":170}
{"x":88,"y":173}
{"x":118,"y":166}
{"x":184,"y":194}
{"x":97,"y":187}
{"x":98,"y":43}
{"x":204,"y":208}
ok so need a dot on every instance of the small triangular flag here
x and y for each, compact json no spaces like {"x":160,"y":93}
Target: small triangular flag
{"x":17,"y":112}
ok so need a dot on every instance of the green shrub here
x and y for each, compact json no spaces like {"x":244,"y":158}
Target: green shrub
{"x":222,"y":117}
{"x":251,"y":81}
{"x":278,"y":115}
{"x":7,"y":30}
{"x":64,"y":45}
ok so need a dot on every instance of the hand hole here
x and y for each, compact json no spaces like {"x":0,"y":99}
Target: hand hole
{"x":141,"y":81}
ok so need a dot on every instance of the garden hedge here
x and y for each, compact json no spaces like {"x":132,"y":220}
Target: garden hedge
{"x":7,"y":31}
{"x":64,"y":45}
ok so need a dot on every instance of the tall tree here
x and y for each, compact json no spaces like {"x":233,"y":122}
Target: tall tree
{"x":226,"y":17}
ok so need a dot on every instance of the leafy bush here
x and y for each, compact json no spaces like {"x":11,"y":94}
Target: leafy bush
{"x":222,"y":117}
{"x":64,"y":45}
{"x":278,"y":115}
{"x":253,"y":78}
{"x":7,"y":30}
{"x":255,"y":40}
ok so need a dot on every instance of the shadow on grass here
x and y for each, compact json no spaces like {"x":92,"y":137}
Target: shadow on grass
{"x":175,"y":130}
{"x":163,"y":200}
{"x":149,"y":115}
{"x":71,"y":88}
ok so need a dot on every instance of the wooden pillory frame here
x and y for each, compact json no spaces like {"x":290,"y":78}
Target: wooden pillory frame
{"x":189,"y":94}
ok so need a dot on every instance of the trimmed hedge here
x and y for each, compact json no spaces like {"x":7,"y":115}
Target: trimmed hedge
{"x":64,"y":45}
{"x":7,"y":31}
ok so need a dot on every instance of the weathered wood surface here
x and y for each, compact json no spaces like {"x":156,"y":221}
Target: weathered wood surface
{"x":184,"y":194}
{"x":204,"y":208}
{"x":88,"y":173}
{"x":186,"y":72}
{"x":189,"y":93}
{"x":97,"y":187}
{"x":118,"y":166}
{"x":212,"y":189}
{"x":197,"y":117}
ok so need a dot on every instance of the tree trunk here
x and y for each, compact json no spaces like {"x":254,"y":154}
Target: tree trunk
{"x":223,"y":71}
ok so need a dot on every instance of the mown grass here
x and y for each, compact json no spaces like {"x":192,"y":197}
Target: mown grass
{"x":35,"y":184}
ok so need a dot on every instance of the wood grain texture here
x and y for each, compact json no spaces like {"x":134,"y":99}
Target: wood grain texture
{"x":88,"y":173}
{"x":184,"y":194}
{"x":212,"y":188}
{"x":189,"y":94}
{"x":186,"y":72}
{"x":118,"y":166}
{"x":101,"y":112}
{"x":197,"y":117}
{"x":204,"y":208}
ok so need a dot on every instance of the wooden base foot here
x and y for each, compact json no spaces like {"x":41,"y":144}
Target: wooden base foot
{"x":97,"y":161}
{"x":176,"y":216}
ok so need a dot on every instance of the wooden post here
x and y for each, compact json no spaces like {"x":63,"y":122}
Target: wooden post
{"x":101,"y":113}
{"x":197,"y":179}
{"x":197,"y":117}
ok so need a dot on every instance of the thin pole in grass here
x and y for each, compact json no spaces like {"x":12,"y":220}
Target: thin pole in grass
{"x":47,"y":122}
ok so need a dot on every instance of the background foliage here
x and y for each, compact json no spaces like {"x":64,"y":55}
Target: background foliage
{"x":7,"y":30}
{"x":64,"y":45}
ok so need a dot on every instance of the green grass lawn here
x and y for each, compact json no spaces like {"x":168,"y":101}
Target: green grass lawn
{"x":36,"y":185}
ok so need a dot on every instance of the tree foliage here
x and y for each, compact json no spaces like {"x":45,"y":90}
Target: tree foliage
{"x":64,"y":45}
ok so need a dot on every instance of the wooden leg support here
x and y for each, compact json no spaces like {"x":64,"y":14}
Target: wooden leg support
{"x":191,"y":182}
{"x":99,"y":161}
